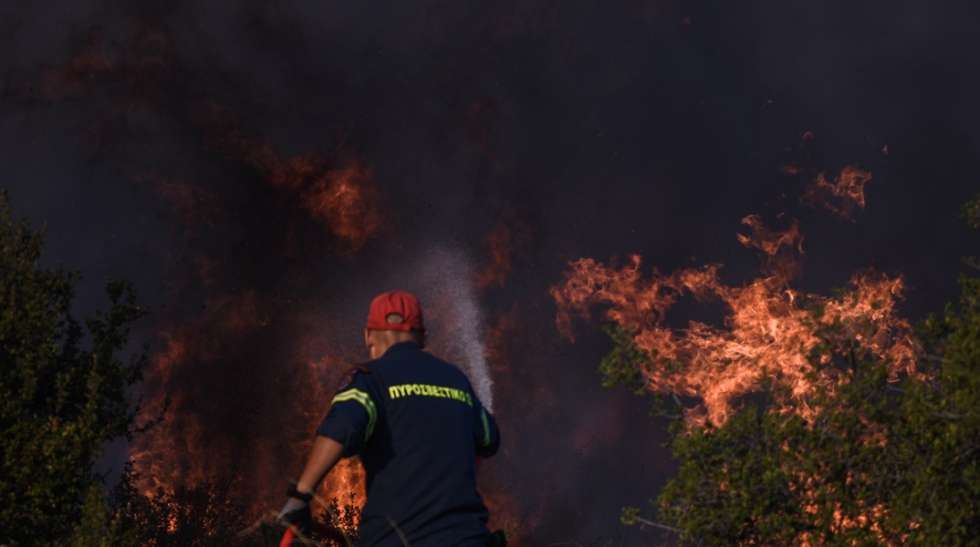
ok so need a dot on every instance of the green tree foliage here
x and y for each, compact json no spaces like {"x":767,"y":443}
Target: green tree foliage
{"x":880,"y":462}
{"x":101,"y":526}
{"x":63,"y":388}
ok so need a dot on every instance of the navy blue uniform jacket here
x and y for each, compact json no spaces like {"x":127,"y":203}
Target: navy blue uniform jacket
{"x":418,"y":427}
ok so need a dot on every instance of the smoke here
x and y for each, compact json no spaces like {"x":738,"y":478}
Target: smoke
{"x":246,"y":168}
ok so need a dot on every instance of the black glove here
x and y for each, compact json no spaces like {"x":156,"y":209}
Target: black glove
{"x":296,"y":512}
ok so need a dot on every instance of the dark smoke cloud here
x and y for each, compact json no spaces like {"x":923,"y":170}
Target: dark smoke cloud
{"x":150,"y":136}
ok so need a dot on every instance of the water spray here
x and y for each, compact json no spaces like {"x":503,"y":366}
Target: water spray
{"x":444,"y":281}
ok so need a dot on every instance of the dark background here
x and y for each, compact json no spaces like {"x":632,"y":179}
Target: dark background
{"x":591,"y":129}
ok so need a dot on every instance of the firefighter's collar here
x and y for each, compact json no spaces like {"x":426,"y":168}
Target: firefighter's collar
{"x":401,"y":346}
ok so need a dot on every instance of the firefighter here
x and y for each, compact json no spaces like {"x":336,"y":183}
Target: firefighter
{"x":418,"y":427}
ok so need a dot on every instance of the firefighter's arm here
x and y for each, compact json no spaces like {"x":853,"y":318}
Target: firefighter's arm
{"x":296,"y":513}
{"x":325,"y":454}
{"x":343,"y":432}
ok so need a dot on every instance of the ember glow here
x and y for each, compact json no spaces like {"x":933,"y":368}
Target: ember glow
{"x":213,"y":365}
{"x":498,"y":243}
{"x":203,"y":437}
{"x":769,"y":332}
{"x":344,"y":198}
{"x":843,"y":196}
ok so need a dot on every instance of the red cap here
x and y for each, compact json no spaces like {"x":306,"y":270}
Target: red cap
{"x":403,"y":303}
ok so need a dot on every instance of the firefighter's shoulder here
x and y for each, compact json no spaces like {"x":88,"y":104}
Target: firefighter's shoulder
{"x":353,"y":375}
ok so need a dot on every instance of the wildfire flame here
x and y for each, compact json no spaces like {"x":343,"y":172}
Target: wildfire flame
{"x":769,"y":330}
{"x":508,"y":241}
{"x":498,"y":243}
{"x":343,"y":198}
{"x":189,"y":448}
{"x":770,"y":333}
{"x":843,"y":196}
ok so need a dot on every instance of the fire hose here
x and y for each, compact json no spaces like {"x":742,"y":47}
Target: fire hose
{"x":497,"y":539}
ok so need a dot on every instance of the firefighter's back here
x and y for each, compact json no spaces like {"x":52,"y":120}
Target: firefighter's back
{"x":421,"y":461}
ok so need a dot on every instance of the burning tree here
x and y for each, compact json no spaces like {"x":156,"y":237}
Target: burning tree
{"x":64,"y":387}
{"x":804,"y":419}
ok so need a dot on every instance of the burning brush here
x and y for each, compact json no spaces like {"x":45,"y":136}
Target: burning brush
{"x":769,"y":332}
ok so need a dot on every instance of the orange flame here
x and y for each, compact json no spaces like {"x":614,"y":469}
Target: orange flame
{"x":498,"y":243}
{"x":181,"y":452}
{"x":344,"y":200}
{"x":509,"y":239}
{"x":769,"y":241}
{"x":842,"y":196}
{"x":769,"y":331}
